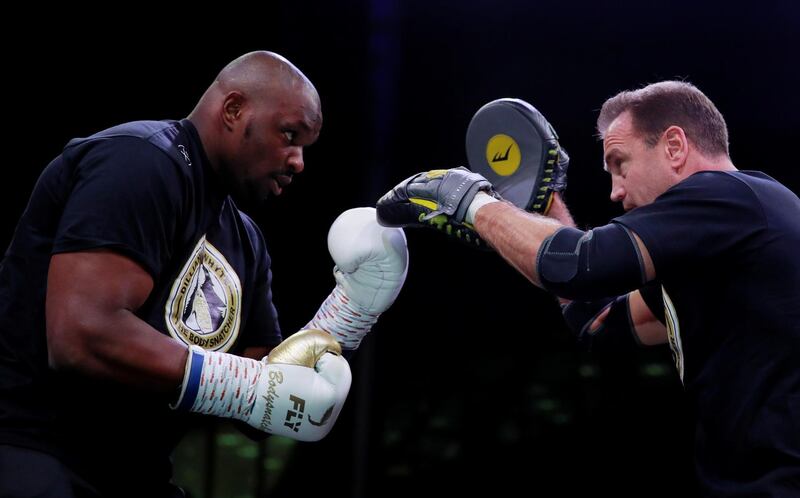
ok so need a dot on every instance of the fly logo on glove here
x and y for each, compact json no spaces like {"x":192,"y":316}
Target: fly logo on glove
{"x":298,"y":404}
{"x":305,"y":376}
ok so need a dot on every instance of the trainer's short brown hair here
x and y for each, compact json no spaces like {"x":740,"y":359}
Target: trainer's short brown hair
{"x":658,"y":106}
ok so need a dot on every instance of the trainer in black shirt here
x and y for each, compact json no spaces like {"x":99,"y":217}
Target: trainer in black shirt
{"x":707,"y":259}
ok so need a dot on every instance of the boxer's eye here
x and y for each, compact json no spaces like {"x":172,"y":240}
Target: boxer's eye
{"x":290,"y":135}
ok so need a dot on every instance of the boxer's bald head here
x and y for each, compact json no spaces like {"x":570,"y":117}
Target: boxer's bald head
{"x":263,"y":75}
{"x":254,"y":121}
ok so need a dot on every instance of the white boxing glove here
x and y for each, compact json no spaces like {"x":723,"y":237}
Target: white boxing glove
{"x":297,"y":391}
{"x":371,"y":266}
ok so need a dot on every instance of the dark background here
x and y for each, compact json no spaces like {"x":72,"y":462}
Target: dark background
{"x":470,"y":382}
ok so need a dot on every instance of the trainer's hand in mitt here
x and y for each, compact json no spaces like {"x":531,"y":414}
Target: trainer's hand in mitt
{"x":439,"y":199}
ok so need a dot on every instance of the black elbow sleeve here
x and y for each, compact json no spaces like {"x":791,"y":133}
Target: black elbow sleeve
{"x":615,"y":333}
{"x":590,"y":265}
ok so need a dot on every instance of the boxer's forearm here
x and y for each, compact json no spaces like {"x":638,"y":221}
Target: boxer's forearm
{"x":122,"y":348}
{"x":515,"y":234}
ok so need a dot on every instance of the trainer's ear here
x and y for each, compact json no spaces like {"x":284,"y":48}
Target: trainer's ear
{"x":675,"y":147}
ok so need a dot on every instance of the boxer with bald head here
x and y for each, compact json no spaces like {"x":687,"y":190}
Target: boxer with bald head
{"x":254,"y":121}
{"x":136,"y":294}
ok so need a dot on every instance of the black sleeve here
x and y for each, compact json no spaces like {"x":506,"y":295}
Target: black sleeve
{"x":616,"y":333}
{"x":703,"y":217}
{"x":127,"y":196}
{"x":654,"y":299}
{"x":262,"y":327}
{"x":587,"y":266}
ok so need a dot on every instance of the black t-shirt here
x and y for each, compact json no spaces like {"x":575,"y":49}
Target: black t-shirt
{"x":145,"y":190}
{"x":726,"y":250}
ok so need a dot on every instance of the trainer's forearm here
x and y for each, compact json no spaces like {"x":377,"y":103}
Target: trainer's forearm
{"x":559,"y":212}
{"x":515,"y":234}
